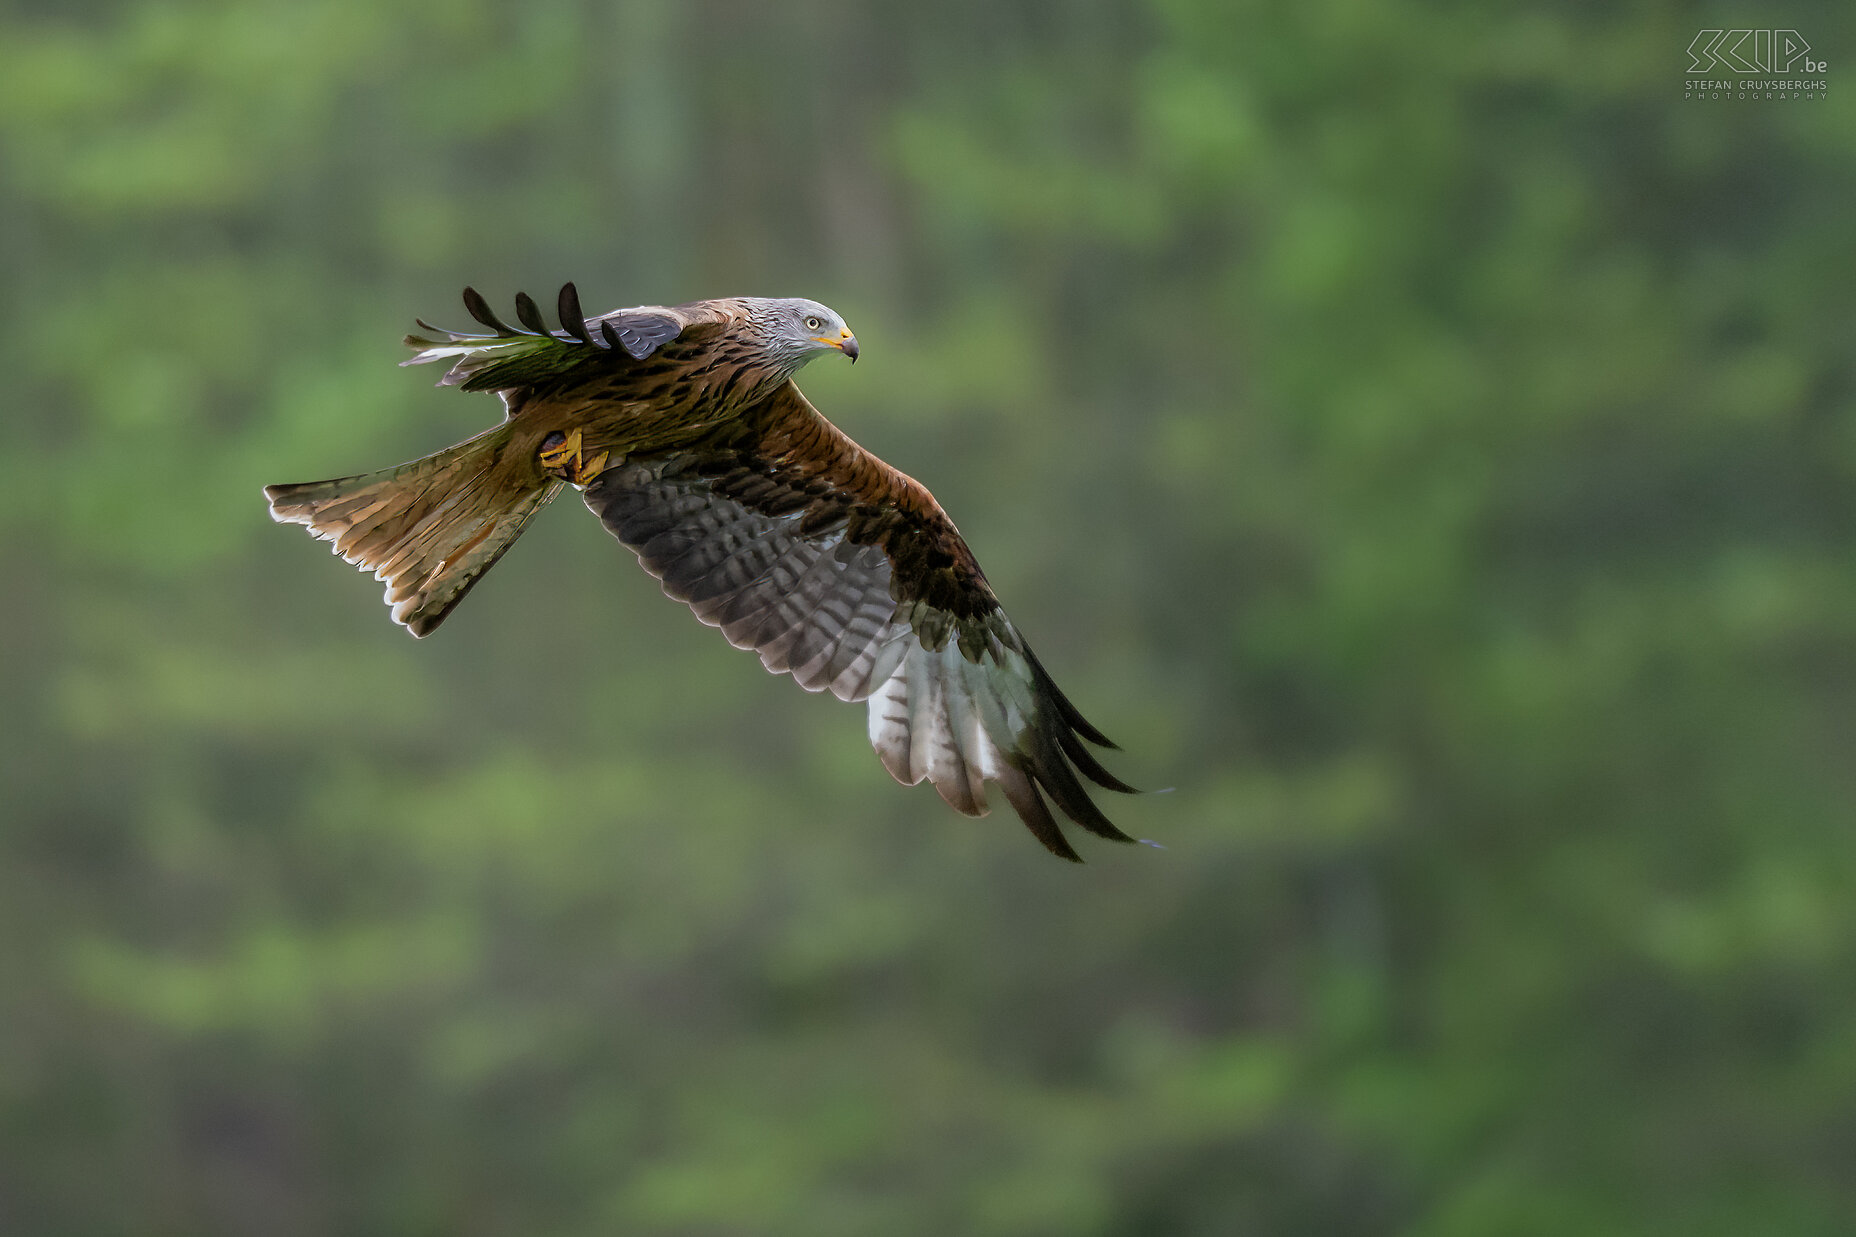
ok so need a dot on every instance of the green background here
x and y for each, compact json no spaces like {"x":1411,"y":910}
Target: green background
{"x":1412,"y":430}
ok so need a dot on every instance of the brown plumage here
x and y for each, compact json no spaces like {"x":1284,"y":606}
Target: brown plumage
{"x":683,"y":429}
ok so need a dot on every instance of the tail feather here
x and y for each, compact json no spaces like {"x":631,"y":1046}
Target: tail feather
{"x":428,"y":529}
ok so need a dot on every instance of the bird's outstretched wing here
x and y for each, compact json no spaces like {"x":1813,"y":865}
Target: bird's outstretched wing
{"x":531,"y":354}
{"x":847,"y":574}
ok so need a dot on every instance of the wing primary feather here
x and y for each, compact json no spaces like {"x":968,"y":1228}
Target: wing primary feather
{"x":924,"y":716}
{"x":952,"y":777}
{"x":481,"y":311}
{"x":573,"y":321}
{"x":1065,"y":791}
{"x":529,"y":314}
{"x":1023,"y":795}
{"x":1089,"y":766}
{"x":889,"y":724}
{"x":966,"y":791}
{"x":1068,"y":711}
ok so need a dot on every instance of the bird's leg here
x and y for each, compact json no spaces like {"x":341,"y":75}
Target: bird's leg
{"x":561,"y":455}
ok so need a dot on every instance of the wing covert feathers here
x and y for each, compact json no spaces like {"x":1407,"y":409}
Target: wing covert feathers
{"x":847,"y":575}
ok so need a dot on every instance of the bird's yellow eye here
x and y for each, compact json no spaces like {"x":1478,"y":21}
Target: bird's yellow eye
{"x":813,"y":324}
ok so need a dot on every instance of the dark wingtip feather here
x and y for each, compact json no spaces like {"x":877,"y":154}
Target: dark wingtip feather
{"x":1058,"y":781}
{"x":1022,"y":793}
{"x":572,"y":320}
{"x":1069,"y":712}
{"x":1089,"y":766}
{"x":611,"y":337}
{"x":529,"y":314}
{"x":479,"y":309}
{"x":1080,"y":724}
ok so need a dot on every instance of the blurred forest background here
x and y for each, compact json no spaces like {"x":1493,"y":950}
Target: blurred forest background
{"x":1412,"y":430}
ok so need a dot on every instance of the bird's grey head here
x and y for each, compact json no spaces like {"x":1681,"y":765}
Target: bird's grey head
{"x":796,"y":330}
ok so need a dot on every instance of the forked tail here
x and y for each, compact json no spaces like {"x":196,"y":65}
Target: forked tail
{"x":429,"y":528}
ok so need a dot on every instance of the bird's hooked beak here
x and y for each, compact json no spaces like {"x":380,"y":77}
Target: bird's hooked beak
{"x":845,"y":343}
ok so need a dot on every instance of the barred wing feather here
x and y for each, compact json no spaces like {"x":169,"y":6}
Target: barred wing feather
{"x":820,"y":567}
{"x":816,"y":607}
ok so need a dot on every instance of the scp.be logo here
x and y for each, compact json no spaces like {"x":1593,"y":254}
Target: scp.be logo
{"x":1752,"y":51}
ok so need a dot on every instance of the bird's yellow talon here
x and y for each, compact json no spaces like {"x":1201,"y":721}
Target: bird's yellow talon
{"x":557,"y":455}
{"x":567,"y":460}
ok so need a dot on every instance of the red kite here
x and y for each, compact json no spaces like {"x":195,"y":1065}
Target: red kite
{"x":684,"y":432}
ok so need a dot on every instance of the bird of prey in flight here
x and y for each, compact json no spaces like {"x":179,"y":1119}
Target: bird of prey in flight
{"x":683,"y":431}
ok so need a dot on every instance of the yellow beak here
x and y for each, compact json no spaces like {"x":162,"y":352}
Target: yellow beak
{"x":845,"y":343}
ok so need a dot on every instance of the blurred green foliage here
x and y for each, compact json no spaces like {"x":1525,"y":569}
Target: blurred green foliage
{"x":1411,"y":429}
